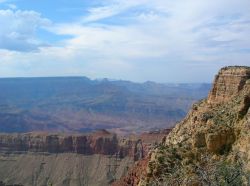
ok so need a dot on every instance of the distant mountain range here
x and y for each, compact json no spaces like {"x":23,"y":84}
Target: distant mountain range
{"x":78,"y":104}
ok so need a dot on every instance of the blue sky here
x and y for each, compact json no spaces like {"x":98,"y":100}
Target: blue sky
{"x":157,"y":40}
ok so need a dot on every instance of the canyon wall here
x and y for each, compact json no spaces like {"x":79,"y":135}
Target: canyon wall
{"x":106,"y":143}
{"x":228,"y":83}
{"x":100,"y":142}
{"x":213,"y":136}
{"x":95,"y":159}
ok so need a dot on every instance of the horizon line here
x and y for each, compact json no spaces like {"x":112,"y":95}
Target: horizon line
{"x":101,"y":79}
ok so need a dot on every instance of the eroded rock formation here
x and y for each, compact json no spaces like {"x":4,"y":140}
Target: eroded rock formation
{"x":95,"y":159}
{"x":214,"y":133}
{"x":100,"y":142}
{"x":105,"y":143}
{"x":209,"y":135}
{"x":228,"y":83}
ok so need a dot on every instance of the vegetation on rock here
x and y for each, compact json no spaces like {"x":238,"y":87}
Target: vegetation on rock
{"x":211,"y":145}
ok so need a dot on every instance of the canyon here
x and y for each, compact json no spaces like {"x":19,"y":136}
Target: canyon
{"x":80,"y":105}
{"x":210,"y":146}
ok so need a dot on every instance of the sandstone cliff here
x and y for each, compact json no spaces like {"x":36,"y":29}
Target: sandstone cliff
{"x":101,"y":142}
{"x":228,"y":83}
{"x":211,"y":145}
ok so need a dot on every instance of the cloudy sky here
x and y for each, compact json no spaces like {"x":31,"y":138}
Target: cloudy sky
{"x":138,"y":40}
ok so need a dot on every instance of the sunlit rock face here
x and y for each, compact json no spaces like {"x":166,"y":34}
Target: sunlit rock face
{"x":215,"y":131}
{"x":228,"y":83}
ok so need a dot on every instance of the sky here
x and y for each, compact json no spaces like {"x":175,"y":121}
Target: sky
{"x":180,"y":41}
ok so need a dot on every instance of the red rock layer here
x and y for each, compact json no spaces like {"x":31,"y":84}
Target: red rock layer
{"x":101,"y":142}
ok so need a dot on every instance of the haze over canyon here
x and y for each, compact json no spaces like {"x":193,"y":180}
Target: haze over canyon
{"x":78,"y":104}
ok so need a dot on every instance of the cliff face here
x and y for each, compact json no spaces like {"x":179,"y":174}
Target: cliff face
{"x":95,"y":159}
{"x":212,"y":143}
{"x":228,"y":83}
{"x":52,"y":143}
{"x":101,"y":142}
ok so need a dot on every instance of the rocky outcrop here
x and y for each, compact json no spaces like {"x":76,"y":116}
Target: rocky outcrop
{"x":219,"y":141}
{"x":228,"y":83}
{"x":214,"y":135}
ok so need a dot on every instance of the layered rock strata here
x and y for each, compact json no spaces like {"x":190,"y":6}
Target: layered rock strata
{"x":213,"y":135}
{"x":228,"y":83}
{"x":101,"y":142}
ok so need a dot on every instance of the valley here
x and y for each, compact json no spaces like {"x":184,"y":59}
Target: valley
{"x":78,"y":104}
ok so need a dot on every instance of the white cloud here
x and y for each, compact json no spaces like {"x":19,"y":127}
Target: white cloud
{"x":158,"y":40}
{"x":101,"y":13}
{"x":111,"y":8}
{"x":18,"y":29}
{"x":166,"y":29}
